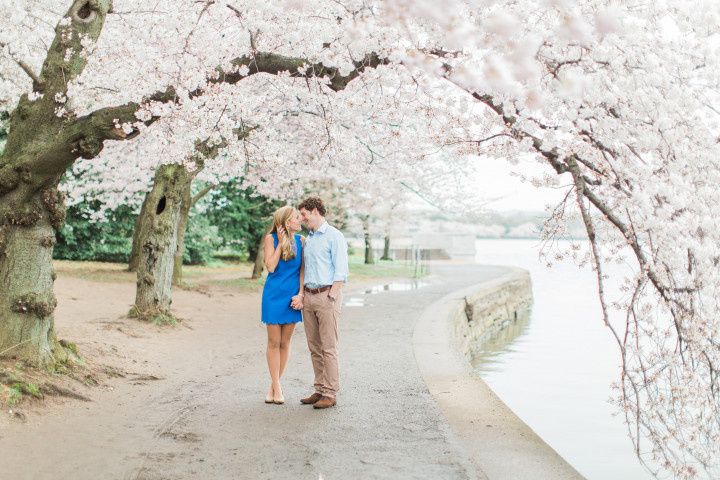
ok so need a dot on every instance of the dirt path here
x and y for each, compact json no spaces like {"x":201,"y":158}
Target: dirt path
{"x":191,"y":402}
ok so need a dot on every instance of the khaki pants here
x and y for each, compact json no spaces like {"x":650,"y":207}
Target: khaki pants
{"x":320,"y":316}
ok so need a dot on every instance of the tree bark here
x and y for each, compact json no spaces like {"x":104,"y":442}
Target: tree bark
{"x":26,"y":293}
{"x":369,"y":254}
{"x":259,"y":260}
{"x":141,"y":225}
{"x":181,"y":230}
{"x":157,"y":252}
{"x":386,"y":249}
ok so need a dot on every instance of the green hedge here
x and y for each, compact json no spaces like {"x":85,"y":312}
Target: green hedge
{"x":241,"y":217}
{"x":230,"y":218}
{"x":106,"y":241}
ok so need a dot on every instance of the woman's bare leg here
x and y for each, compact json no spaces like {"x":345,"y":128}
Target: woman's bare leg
{"x":285,"y":339}
{"x":273,"y":356}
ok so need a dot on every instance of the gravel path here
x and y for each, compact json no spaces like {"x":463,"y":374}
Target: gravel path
{"x":205,"y":417}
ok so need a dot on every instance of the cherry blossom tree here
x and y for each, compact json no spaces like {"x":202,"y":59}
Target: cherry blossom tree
{"x":70,"y":90}
{"x":287,"y":138}
{"x":620,"y":99}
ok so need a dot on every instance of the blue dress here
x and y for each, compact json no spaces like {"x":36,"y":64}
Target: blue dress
{"x":280,"y":286}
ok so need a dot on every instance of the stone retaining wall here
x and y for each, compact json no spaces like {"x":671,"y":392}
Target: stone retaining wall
{"x":490,"y":310}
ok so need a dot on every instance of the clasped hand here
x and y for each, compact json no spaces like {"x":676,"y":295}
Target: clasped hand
{"x":297,"y":302}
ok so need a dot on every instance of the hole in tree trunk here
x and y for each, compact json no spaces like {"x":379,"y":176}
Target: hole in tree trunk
{"x":85,"y":11}
{"x":161,"y":205}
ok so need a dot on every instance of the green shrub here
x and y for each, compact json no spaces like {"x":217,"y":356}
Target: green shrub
{"x":241,"y":216}
{"x":81,"y":238}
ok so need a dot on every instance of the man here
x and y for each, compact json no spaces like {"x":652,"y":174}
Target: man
{"x":325,"y":272}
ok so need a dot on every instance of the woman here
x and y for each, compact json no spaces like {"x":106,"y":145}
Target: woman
{"x":283,"y":292}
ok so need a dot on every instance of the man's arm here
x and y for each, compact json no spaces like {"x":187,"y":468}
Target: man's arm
{"x":339,"y":251}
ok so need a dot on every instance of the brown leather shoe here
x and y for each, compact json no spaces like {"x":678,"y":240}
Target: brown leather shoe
{"x":324,"y":402}
{"x":311,"y":399}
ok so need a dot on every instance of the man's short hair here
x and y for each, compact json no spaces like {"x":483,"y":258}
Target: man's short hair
{"x":313,"y":202}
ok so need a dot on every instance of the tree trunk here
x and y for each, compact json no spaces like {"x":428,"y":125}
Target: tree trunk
{"x":40,"y":146}
{"x":158,"y":248}
{"x":182,"y":228}
{"x":26,"y":293}
{"x":259,"y":260}
{"x":141,"y":226}
{"x":386,"y":249}
{"x":369,"y":255}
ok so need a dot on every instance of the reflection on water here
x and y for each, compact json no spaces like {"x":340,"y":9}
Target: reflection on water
{"x":397,"y":286}
{"x":355,"y":302}
{"x":554,"y":371}
{"x":499,"y":341}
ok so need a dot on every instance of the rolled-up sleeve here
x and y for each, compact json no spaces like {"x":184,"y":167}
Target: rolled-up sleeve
{"x":340,"y":258}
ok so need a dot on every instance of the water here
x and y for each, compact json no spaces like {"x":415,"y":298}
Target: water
{"x":554,"y":368}
{"x":400,"y":286}
{"x":403,"y":286}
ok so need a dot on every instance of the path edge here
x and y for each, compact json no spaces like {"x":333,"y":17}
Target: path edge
{"x":500,"y":445}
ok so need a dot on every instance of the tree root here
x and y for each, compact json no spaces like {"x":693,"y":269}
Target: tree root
{"x":21,"y":381}
{"x":56,"y":390}
{"x":155,"y":316}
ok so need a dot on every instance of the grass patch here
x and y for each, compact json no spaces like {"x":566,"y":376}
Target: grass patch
{"x":244,"y":284}
{"x":117,"y":272}
{"x":13,"y":396}
{"x":230,"y":256}
{"x":15,"y":387}
{"x":383,"y":268}
{"x":94,"y":271}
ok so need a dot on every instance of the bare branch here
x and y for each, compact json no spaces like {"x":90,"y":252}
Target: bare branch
{"x":202,"y":193}
{"x":37,"y":83}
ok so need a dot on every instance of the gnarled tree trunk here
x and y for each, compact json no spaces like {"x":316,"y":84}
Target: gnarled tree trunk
{"x":27,"y":300}
{"x":159,"y":245}
{"x":40,"y":146}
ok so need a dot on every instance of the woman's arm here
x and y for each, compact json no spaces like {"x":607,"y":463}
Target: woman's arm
{"x":297,"y":300}
{"x":272,"y":254}
{"x":301,"y":291}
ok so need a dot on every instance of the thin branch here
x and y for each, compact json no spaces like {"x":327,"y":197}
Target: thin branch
{"x":38,"y":85}
{"x":202,"y":193}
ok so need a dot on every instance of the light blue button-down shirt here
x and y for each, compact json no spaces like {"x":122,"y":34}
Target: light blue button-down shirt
{"x":326,"y":257}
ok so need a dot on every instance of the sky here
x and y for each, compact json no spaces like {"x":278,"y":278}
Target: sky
{"x":504,"y":192}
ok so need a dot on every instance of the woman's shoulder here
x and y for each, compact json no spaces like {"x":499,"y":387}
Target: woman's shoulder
{"x":300,"y":237}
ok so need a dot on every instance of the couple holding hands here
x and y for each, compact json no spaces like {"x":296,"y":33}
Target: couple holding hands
{"x":304,"y":282}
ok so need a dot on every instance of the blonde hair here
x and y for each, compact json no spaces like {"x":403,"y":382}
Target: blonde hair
{"x":280,"y":219}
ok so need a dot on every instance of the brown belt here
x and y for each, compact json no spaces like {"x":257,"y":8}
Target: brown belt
{"x":318,"y":290}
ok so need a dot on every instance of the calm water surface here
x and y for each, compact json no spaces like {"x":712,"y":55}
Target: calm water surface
{"x":554,"y":369}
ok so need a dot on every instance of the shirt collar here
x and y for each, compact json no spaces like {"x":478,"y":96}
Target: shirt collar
{"x":322,"y":228}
